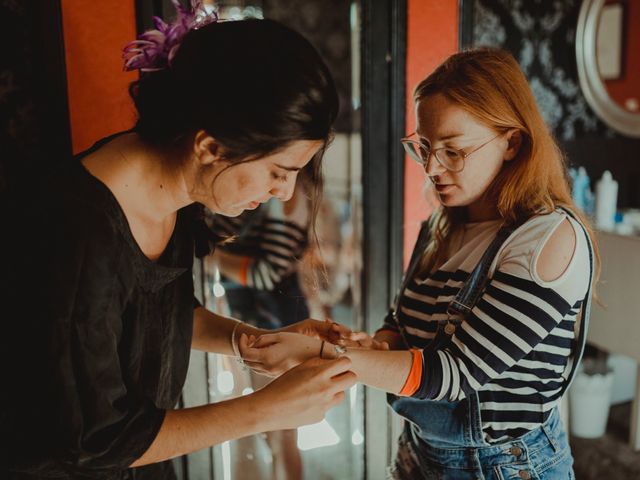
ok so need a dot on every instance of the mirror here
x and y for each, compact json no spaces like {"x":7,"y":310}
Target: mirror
{"x":607,"y":41}
{"x":324,"y":283}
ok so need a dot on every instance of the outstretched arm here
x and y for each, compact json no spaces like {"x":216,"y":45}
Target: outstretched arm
{"x":300,"y":397}
{"x":212,"y":332}
{"x":273,"y":354}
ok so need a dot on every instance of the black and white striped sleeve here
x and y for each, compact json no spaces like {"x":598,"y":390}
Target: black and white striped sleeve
{"x":516,"y":314}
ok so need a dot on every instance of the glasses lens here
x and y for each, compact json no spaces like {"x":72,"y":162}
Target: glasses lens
{"x":415,"y":151}
{"x":450,"y":159}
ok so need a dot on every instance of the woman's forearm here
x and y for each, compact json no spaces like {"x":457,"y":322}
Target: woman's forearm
{"x":212,"y":332}
{"x":299,"y":397}
{"x":382,"y":369}
{"x":190,"y":429}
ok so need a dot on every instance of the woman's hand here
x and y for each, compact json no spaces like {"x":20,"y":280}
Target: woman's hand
{"x":304,"y":394}
{"x":336,"y":333}
{"x":273,"y":354}
{"x":366,"y":341}
{"x":323,"y":330}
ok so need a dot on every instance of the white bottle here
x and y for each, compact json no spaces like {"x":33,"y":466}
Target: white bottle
{"x":606,"y":202}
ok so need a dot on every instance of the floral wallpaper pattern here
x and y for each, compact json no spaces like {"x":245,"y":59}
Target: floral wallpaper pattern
{"x":541,"y":35}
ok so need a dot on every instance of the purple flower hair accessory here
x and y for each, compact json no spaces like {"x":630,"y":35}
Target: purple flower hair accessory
{"x":154,"y":49}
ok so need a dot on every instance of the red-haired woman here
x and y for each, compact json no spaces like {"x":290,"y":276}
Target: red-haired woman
{"x":482,"y":342}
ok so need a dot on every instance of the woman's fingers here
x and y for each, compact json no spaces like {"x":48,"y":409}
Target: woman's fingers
{"x":335,"y":367}
{"x":266,"y":340}
{"x":339,"y":329}
{"x":345,"y":380}
{"x":355,"y":336}
{"x":249,"y":353}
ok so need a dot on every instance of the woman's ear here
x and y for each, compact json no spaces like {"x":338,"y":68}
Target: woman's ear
{"x":514,"y":142}
{"x":205,"y":148}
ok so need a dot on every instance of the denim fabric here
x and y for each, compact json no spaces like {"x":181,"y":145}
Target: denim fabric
{"x":541,"y":454}
{"x":444,"y":440}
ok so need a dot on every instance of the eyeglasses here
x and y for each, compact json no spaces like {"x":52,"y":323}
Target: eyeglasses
{"x":450,"y":158}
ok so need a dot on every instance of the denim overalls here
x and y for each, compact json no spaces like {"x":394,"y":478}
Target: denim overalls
{"x":444,"y":440}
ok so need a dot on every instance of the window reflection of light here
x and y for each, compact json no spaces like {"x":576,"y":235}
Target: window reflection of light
{"x":357,"y":438}
{"x":226,"y":460}
{"x":353,"y":394}
{"x":225,"y":382}
{"x":218,"y":290}
{"x":317,"y":435}
{"x":247,"y":391}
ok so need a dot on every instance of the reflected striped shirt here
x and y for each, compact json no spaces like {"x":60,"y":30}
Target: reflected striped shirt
{"x":273,"y":239}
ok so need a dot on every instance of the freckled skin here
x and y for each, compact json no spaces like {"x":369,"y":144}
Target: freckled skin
{"x":438,"y":117}
{"x":231,"y":189}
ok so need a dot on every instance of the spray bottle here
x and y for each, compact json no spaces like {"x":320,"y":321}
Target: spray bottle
{"x":606,"y":202}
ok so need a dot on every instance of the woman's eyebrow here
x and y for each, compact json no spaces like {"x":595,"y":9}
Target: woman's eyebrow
{"x":288,"y":169}
{"x":450,"y":136}
{"x":443,"y":138}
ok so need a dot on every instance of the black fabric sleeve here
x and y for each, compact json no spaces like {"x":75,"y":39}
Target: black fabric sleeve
{"x":99,"y":421}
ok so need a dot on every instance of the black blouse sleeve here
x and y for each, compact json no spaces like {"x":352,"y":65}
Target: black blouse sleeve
{"x":98,"y":423}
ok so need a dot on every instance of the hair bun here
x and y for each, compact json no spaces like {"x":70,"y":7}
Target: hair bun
{"x":159,"y":104}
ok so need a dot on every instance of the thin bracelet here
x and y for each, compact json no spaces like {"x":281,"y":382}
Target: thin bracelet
{"x":234,"y":344}
{"x":322,"y":348}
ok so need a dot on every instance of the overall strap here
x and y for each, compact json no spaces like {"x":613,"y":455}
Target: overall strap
{"x":475,"y":284}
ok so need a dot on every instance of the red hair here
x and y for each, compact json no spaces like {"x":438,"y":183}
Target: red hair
{"x":489,"y":84}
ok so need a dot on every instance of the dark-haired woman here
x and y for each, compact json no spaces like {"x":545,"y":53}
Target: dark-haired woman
{"x":229,"y":113}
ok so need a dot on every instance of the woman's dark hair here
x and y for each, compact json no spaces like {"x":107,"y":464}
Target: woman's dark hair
{"x":253,"y":85}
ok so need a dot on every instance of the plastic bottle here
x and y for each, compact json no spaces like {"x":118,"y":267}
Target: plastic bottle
{"x":580,"y":190}
{"x":606,"y":202}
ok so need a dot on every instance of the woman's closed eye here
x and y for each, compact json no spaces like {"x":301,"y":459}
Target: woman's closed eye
{"x":451,"y":153}
{"x":279,"y":177}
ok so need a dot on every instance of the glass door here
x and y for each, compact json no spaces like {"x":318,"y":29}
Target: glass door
{"x":328,"y":273}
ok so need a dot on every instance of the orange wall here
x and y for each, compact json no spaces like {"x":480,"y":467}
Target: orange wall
{"x":94,"y":34}
{"x":432,"y":35}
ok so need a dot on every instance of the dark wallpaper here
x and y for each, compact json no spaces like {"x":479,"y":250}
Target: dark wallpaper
{"x":34,"y":120}
{"x":541,"y":35}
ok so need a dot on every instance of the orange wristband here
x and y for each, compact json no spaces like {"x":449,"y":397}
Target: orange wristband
{"x":415,"y":374}
{"x":244,"y":268}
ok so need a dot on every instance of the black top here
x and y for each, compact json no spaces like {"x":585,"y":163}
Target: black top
{"x":98,"y":335}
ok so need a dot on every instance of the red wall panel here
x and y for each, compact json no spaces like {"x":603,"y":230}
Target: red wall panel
{"x":94,"y":34}
{"x":432,"y":35}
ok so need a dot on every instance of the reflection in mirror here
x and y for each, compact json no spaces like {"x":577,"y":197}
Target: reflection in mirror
{"x":617,"y":43}
{"x":301,"y":277}
{"x":607,"y":45}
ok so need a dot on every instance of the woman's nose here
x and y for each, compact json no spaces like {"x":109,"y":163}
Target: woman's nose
{"x":432,"y":167}
{"x":284,"y":191}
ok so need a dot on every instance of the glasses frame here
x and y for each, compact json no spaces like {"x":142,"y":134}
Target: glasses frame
{"x":407,"y":141}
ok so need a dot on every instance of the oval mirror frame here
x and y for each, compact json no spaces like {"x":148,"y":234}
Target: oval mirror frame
{"x":593,"y":87}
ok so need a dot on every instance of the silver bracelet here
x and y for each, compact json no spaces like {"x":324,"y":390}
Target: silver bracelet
{"x":234,"y":344}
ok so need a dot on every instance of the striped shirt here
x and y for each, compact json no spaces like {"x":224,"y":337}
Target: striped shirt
{"x":513,"y":348}
{"x":273,"y":239}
